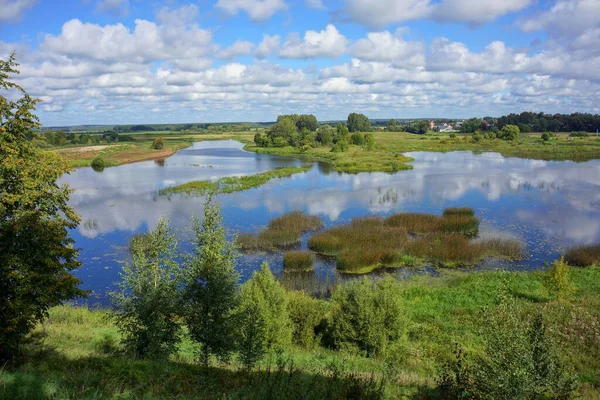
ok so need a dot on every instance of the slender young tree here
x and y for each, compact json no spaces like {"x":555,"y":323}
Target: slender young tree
{"x":36,"y":251}
{"x":211,"y":287}
{"x":147,"y":305}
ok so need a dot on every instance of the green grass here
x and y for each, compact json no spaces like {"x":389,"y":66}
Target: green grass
{"x":410,"y":239}
{"x":283,"y":231}
{"x":75,"y":353}
{"x":233,"y":184}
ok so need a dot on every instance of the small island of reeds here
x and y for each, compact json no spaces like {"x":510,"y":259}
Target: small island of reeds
{"x":298,"y":261}
{"x":233,"y":183}
{"x":283,"y":231}
{"x":583,"y":256}
{"x":410,"y":239}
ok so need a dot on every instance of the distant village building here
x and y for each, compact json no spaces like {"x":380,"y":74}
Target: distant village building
{"x":431,"y":125}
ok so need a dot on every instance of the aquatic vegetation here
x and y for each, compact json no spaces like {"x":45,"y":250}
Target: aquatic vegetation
{"x":283,"y":231}
{"x":410,"y":239}
{"x":235,"y":183}
{"x":583,"y":256}
{"x":298,"y":261}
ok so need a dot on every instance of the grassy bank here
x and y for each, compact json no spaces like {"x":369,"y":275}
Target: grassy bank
{"x":138,"y":148}
{"x":235,"y":183}
{"x":387,"y":156}
{"x":75,"y":354}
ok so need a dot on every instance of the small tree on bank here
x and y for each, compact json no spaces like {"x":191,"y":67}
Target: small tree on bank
{"x":158,"y":143}
{"x":210,"y":292}
{"x":147,"y":305}
{"x":36,"y":251}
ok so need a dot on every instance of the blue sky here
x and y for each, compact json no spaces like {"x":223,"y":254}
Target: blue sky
{"x":130,"y":61}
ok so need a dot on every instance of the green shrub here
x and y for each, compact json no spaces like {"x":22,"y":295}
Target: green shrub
{"x":583,"y":256}
{"x":452,"y":135}
{"x":306,"y":314}
{"x":558,"y":280}
{"x":267,"y":299}
{"x":366,"y":316}
{"x":579,"y":134}
{"x":519,"y":362}
{"x":477,"y":137}
{"x":509,"y":132}
{"x":369,"y":141}
{"x":357,"y":138}
{"x":158,"y":143}
{"x":298,"y":261}
{"x":340,"y":147}
{"x":98,"y":164}
{"x":546,"y":136}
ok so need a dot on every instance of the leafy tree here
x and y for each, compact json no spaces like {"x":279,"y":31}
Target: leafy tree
{"x":509,"y":132}
{"x":147,"y":305}
{"x":392,"y":126}
{"x":340,"y":147}
{"x":366,"y":316}
{"x":36,"y":251}
{"x":342,"y":134}
{"x":158,"y":143}
{"x":358,"y":123}
{"x":262,"y":140}
{"x":210,"y":291}
{"x":325,"y":135}
{"x":419,"y":127}
{"x":284,"y":128}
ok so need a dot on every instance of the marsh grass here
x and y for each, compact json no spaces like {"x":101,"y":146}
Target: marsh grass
{"x":281,"y":232}
{"x":583,"y":256}
{"x":298,"y":261}
{"x":233,"y":184}
{"x":410,"y":239}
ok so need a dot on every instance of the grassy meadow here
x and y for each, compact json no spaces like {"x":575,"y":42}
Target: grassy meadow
{"x":76,"y":353}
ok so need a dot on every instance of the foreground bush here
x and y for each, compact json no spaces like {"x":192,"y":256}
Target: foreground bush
{"x":583,"y":256}
{"x":263,"y":316}
{"x":366,"y":316}
{"x":519,"y":362}
{"x":306,"y":314}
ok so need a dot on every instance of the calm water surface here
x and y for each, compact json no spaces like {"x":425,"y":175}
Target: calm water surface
{"x":547,"y":205}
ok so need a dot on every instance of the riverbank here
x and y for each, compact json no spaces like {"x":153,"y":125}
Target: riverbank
{"x":390,"y":148}
{"x":76,"y":353}
{"x":387,"y":156}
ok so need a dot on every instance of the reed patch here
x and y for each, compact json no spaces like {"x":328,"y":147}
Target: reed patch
{"x":298,"y":261}
{"x":583,"y":256}
{"x":410,"y":239}
{"x":281,"y":232}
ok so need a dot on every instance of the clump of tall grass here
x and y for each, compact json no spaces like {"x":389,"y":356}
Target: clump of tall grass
{"x":283,"y":231}
{"x":464,"y":211}
{"x":583,"y":256}
{"x":372,"y":242}
{"x":298,"y":261}
{"x":454,"y":220}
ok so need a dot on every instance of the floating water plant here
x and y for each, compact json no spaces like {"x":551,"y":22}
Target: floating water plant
{"x":283,"y":231}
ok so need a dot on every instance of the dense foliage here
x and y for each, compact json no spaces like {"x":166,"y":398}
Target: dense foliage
{"x":36,"y":252}
{"x":358,"y":123}
{"x":147,"y":304}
